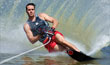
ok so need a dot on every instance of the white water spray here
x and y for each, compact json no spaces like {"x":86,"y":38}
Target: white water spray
{"x":100,"y":43}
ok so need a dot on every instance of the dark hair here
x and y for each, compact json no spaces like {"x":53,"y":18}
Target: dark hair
{"x":30,"y":4}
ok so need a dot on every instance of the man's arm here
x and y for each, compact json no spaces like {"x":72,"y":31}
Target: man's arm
{"x":29,"y":34}
{"x":48,"y":18}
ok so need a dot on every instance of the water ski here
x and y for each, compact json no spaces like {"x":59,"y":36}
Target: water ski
{"x":79,"y":56}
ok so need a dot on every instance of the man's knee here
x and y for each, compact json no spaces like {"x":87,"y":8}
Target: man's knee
{"x":60,"y":38}
{"x":61,"y":41}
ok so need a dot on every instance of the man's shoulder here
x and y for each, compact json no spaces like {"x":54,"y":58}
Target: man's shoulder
{"x":26,"y":27}
{"x":26,"y":24}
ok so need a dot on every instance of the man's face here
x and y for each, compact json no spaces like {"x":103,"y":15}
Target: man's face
{"x":30,"y":11}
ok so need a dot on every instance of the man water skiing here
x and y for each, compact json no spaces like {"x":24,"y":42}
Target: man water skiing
{"x":38,"y":29}
{"x":36,"y":26}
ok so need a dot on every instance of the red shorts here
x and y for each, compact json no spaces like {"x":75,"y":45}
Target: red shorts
{"x":50,"y":46}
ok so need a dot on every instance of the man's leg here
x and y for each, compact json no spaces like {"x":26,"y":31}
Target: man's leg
{"x":61,"y":41}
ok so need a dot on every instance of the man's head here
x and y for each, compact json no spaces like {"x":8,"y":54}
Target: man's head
{"x":30,"y":9}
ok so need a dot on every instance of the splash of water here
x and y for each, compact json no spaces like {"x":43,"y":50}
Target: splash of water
{"x":83,"y":22}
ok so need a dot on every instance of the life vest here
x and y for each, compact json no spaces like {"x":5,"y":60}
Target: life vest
{"x":37,"y":25}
